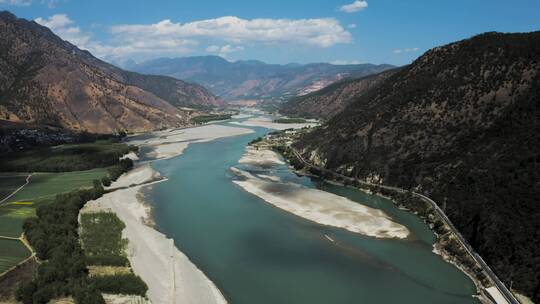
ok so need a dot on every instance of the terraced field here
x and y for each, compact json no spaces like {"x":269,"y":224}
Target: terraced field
{"x":12,"y":252}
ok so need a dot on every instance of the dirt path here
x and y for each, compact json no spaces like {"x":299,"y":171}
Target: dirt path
{"x":17,"y":190}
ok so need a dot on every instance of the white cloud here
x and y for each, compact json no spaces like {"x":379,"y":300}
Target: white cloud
{"x":51,"y":3}
{"x":356,"y":6}
{"x":226,"y":34}
{"x":345,"y":62}
{"x":225,"y":50}
{"x":317,"y":32}
{"x":213,"y":49}
{"x":64,"y":27}
{"x":16,"y":2}
{"x":352,"y":25}
{"x":399,"y":51}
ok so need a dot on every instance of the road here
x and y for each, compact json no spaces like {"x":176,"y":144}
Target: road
{"x":510,"y":298}
{"x":17,"y":190}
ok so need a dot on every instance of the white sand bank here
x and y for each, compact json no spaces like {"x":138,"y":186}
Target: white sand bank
{"x":170,"y":275}
{"x":262,"y":158}
{"x":242,"y":116}
{"x":139,"y":175}
{"x":322,"y":207}
{"x":171,"y":143}
{"x":270,"y":124}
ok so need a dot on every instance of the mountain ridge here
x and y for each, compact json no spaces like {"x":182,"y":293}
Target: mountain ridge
{"x":329,"y":101}
{"x":253,"y":79}
{"x":46,"y":80}
{"x":462,"y":125}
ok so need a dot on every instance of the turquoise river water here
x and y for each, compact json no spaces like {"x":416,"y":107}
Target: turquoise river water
{"x":258,"y":254}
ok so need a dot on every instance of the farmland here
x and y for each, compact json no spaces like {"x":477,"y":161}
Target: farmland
{"x":12,"y":252}
{"x":43,"y":187}
{"x":9,"y":183}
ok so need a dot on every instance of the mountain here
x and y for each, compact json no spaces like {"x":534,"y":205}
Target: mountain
{"x":45,"y":80}
{"x":462,"y":125}
{"x":331,"y":100}
{"x":254,"y":79}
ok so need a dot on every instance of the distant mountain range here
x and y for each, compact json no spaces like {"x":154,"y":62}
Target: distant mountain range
{"x":333,"y":99}
{"x":462,"y":125}
{"x":47,"y":81}
{"x":254,"y":79}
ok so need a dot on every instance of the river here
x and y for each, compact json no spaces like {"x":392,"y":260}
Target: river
{"x":258,"y":254}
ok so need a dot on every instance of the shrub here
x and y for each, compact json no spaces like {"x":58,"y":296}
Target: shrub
{"x":130,"y":284}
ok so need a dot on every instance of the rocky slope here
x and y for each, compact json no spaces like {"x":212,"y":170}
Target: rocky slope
{"x":254,"y":79}
{"x":462,"y":124}
{"x":47,"y":81}
{"x":333,"y":99}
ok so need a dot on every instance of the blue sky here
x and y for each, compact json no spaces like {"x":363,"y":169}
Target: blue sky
{"x":278,"y":31}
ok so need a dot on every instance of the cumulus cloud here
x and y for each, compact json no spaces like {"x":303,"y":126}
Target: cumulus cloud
{"x":356,"y":6}
{"x":64,"y":27}
{"x":399,"y":51}
{"x":324,"y":32}
{"x":225,"y":50}
{"x":16,"y":2}
{"x":345,"y":62}
{"x":226,"y":34}
{"x":352,"y":25}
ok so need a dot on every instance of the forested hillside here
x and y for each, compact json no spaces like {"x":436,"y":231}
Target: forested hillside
{"x":462,"y":125}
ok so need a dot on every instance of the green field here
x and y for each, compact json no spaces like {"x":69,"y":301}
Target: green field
{"x":9,"y":183}
{"x":43,"y":187}
{"x":47,"y":185}
{"x":12,"y":252}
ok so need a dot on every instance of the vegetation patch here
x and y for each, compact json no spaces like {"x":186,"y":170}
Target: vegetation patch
{"x":290,"y":120}
{"x":12,"y":252}
{"x":104,"y":247}
{"x":101,"y":236}
{"x":127,"y":284}
{"x":208,"y":118}
{"x":65,"y":158}
{"x":53,"y":235}
{"x":98,"y":271}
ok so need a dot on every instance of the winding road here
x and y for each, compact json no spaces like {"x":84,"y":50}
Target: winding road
{"x":508,"y":296}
